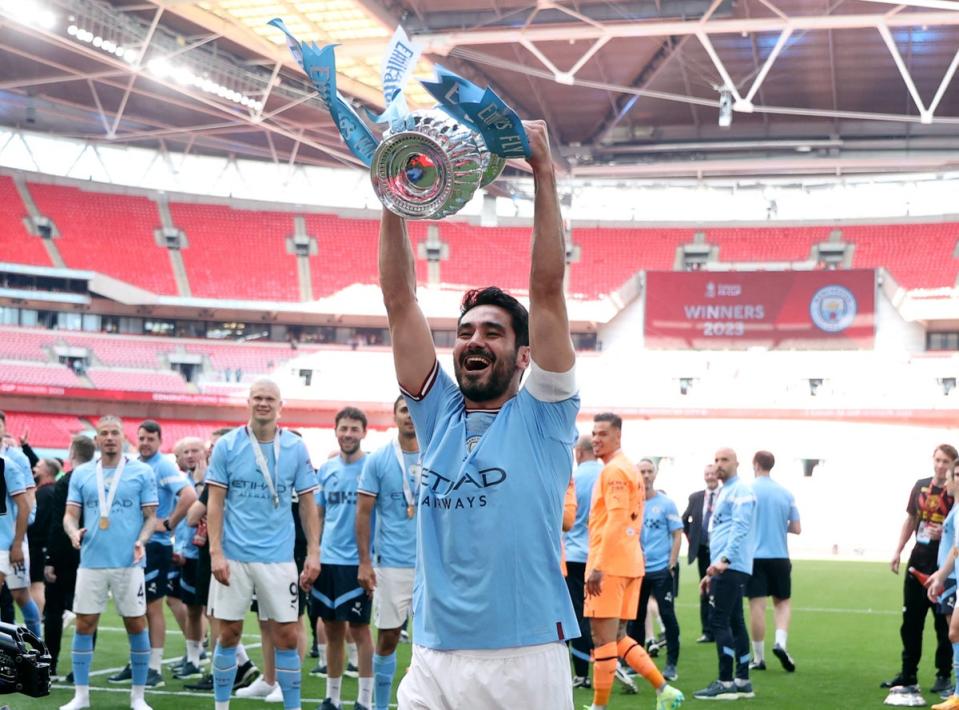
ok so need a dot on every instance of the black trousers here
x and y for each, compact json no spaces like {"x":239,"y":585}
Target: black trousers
{"x":727,"y":624}
{"x":7,"y":613}
{"x":59,"y":596}
{"x":659,"y":585}
{"x":915,"y":605}
{"x":702,"y":562}
{"x":582,"y":647}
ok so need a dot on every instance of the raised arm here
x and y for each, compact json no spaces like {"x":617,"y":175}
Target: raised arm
{"x":413,"y":351}
{"x":550,"y":344}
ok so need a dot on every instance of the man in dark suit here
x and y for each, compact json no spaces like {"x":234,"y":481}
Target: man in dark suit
{"x":696,"y":519}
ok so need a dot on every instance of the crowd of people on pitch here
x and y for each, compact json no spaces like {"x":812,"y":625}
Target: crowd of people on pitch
{"x":153,"y":524}
{"x":737,"y":535}
{"x":929,"y":584}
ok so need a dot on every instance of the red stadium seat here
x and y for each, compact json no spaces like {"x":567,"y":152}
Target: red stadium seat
{"x":16,"y":243}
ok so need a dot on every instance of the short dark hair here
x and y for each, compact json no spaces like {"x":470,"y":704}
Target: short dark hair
{"x":222,"y":431}
{"x":351,"y":413}
{"x":495,"y":296}
{"x":3,"y":417}
{"x":396,"y":403}
{"x":82,"y":448}
{"x":151,"y":426}
{"x":614,"y":419}
{"x":949,"y":450}
{"x":765,"y":460}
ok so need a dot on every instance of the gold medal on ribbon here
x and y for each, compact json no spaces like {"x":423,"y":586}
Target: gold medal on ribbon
{"x":410,"y":511}
{"x":104,"y":523}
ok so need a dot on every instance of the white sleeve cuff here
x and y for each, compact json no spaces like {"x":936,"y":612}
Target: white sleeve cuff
{"x":551,"y":386}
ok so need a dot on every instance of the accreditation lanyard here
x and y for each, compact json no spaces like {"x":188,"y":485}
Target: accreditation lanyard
{"x":262,"y":464}
{"x":407,"y":491}
{"x":106,"y":498}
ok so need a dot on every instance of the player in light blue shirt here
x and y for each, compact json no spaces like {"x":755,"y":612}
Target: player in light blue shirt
{"x":496,"y":466}
{"x":338,"y":598}
{"x":732,"y":532}
{"x":776,"y":516}
{"x":19,"y":512}
{"x":576,"y":542}
{"x":118,"y":498}
{"x":389,"y":485}
{"x":660,"y":540}
{"x":253,"y":474}
{"x":176,"y":495}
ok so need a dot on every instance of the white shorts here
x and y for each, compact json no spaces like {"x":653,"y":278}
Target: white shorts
{"x":525,"y":677}
{"x":393,"y":596}
{"x":16,"y":577}
{"x":274,"y":583}
{"x":94,"y":586}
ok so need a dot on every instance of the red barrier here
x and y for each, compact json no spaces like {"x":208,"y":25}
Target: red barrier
{"x":776,"y":309}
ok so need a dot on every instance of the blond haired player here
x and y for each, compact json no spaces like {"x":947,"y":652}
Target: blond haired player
{"x":614,"y":568}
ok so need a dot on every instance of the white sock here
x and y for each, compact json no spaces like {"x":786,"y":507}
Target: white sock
{"x":224,"y":705}
{"x":781,"y":638}
{"x":136,"y":693}
{"x":156,"y":659}
{"x":241,"y":657}
{"x":366,"y":692}
{"x":193,"y":652}
{"x":321,"y":654}
{"x":82,"y":692}
{"x":759,"y":653}
{"x":740,"y":681}
{"x":351,"y":651}
{"x":597,"y":707}
{"x":333,"y":689}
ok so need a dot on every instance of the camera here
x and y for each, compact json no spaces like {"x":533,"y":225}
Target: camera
{"x":24,"y":662}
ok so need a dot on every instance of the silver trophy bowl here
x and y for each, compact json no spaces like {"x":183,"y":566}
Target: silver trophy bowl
{"x":430,"y":166}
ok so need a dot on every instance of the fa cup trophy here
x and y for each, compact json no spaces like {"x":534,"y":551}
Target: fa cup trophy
{"x":428,"y":163}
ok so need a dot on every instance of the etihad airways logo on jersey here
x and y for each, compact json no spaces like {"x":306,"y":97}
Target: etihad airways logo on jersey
{"x":465,"y":492}
{"x":340,"y":497}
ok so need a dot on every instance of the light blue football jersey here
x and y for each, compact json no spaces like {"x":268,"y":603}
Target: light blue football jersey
{"x":170,"y":481}
{"x":732,"y":530}
{"x":394,"y":542}
{"x":338,"y":484}
{"x":949,"y":541}
{"x":13,"y":482}
{"x":775,"y":509}
{"x":660,"y":520}
{"x":254,"y":530}
{"x":112,"y":547}
{"x":22,"y":465}
{"x":576,"y":538}
{"x":490,"y":518}
{"x":183,"y":535}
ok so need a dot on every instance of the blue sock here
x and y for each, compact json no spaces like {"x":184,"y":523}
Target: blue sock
{"x":384,"y":668}
{"x":955,"y":665}
{"x":31,"y":617}
{"x":82,"y":655}
{"x":288,"y":675}
{"x":139,"y":656}
{"x":224,"y":672}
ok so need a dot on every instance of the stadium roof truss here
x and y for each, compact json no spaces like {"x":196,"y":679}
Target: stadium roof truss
{"x":638,"y":88}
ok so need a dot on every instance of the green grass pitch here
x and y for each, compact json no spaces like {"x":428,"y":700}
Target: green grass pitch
{"x":844,"y":637}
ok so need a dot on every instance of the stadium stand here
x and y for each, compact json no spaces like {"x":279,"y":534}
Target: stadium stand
{"x":39,"y":374}
{"x":26,"y":344}
{"x":109,"y":233}
{"x":137,"y":380}
{"x":16,"y":244}
{"x":113,"y":234}
{"x":235,"y":253}
{"x":121,"y":351}
{"x":45,"y":430}
{"x":347,"y":252}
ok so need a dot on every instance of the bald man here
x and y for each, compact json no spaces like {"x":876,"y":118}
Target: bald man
{"x":732,"y":533}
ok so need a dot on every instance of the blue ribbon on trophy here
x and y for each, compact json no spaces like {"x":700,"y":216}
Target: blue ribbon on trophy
{"x":483,"y":111}
{"x":320,"y":65}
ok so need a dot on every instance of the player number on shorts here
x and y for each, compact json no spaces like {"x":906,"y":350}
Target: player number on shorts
{"x":140,"y":593}
{"x":293,"y":594}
